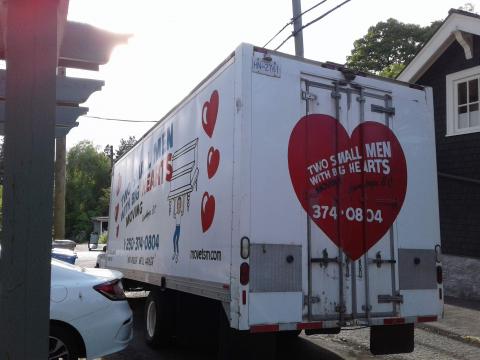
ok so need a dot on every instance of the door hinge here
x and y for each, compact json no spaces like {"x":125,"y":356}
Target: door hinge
{"x":379,"y":261}
{"x":325,"y":260}
{"x":383,"y":109}
{"x":308,"y":96}
{"x":311,"y":299}
{"x":383,"y":299}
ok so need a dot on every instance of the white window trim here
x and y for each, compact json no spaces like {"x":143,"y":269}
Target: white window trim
{"x":452,"y":99}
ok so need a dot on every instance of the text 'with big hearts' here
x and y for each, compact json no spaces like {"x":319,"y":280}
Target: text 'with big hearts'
{"x":352,"y":187}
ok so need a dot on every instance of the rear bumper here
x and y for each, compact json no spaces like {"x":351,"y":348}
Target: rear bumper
{"x":263,"y":328}
{"x":107,"y":331}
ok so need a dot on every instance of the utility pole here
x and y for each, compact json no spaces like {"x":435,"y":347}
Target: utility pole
{"x":297,"y":25}
{"x":111,"y":157}
{"x":32,"y":56}
{"x":60,"y":180}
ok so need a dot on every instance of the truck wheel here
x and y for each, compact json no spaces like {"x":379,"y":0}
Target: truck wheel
{"x":158,"y":320}
{"x":391,"y":339}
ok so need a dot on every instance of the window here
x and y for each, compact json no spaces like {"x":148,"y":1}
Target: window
{"x":463,"y":115}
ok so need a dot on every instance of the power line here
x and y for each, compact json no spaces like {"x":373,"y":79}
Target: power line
{"x":121,"y":120}
{"x":311,"y":22}
{"x":306,"y":11}
{"x":292,"y":20}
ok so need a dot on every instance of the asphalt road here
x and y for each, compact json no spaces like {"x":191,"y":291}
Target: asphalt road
{"x":348,"y":345}
{"x":138,"y":350}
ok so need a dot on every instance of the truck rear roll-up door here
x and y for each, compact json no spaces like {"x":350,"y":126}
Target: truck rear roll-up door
{"x":351,"y":152}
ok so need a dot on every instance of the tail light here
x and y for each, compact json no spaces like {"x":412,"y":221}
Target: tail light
{"x":245,"y":247}
{"x":112,"y":290}
{"x":244,"y":273}
{"x":439,"y":274}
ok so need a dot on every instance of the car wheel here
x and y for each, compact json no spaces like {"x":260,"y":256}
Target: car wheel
{"x":159,"y":320}
{"x":63,"y":345}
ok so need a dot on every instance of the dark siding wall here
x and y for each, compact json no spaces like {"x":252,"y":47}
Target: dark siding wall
{"x":458,"y":155}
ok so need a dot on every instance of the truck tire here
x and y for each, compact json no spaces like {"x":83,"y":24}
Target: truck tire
{"x":226,"y":337}
{"x":158,"y":319}
{"x":392,"y":339}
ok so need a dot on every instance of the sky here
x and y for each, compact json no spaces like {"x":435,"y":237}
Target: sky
{"x":176,"y":44}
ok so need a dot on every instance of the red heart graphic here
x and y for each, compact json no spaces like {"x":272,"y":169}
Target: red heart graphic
{"x":352,"y":187}
{"x":119,"y":185}
{"x":213,"y":160}
{"x":209,"y":113}
{"x":117,"y":208}
{"x":208,"y":210}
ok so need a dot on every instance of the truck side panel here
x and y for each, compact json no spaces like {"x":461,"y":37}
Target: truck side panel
{"x":171,"y":203}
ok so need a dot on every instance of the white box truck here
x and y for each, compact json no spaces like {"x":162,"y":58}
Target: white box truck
{"x":286,"y":195}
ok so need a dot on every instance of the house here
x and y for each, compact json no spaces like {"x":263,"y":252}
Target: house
{"x":450,"y":63}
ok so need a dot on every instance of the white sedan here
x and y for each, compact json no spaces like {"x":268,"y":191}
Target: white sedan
{"x":89,"y":314}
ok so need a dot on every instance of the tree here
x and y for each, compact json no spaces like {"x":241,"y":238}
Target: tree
{"x":2,"y":161}
{"x":389,"y":46}
{"x":88,"y":187}
{"x":467,"y":7}
{"x":124,"y":146}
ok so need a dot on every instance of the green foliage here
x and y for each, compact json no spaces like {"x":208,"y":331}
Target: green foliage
{"x":392,"y":71}
{"x":2,"y":159}
{"x":124,"y":146}
{"x":467,"y":7}
{"x":389,"y":45}
{"x":103,"y":239}
{"x":88,"y":188}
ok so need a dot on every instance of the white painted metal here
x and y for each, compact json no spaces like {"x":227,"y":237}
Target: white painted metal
{"x":162,"y":187}
{"x":259,"y":106}
{"x":265,"y":308}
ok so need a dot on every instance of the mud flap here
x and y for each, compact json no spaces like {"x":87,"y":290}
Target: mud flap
{"x":391,"y":339}
{"x":240,"y":345}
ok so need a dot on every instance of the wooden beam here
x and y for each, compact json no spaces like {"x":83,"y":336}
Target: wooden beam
{"x":466,"y":41}
{"x":28,"y":185}
{"x":66,"y":117}
{"x":70,"y":90}
{"x":84,"y":46}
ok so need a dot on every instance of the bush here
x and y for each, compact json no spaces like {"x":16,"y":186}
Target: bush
{"x":103,"y":238}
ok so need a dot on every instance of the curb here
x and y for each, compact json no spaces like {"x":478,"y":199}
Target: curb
{"x":470,"y":340}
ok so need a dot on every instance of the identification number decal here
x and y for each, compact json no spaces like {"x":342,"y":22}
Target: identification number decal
{"x":266,"y":65}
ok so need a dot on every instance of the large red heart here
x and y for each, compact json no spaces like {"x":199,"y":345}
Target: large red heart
{"x":119,"y":185}
{"x":213,"y":160}
{"x":352,"y":187}
{"x":208,"y":211}
{"x":209,"y":113}
{"x":117,"y":209}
